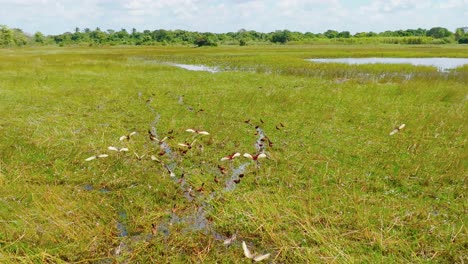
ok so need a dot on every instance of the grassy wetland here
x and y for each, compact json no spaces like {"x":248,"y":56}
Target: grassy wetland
{"x":335,"y":186}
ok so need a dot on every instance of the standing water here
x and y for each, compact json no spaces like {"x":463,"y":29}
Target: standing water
{"x":442,"y":64}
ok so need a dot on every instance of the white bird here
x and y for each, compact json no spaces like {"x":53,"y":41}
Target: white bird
{"x":228,"y":241}
{"x":155,"y":159}
{"x":231,"y":157}
{"x":153,"y":137}
{"x":397,"y":129}
{"x":139,"y":157}
{"x":97,"y":157}
{"x":255,"y":157}
{"x":186,"y":144}
{"x":196,"y":131}
{"x":171,"y":173}
{"x":127,"y":137}
{"x":254,"y":257}
{"x":117,"y":149}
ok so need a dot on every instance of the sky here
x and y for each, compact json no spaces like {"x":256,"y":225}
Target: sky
{"x":220,"y":16}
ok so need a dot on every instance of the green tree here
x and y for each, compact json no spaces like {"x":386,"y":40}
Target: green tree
{"x":205,"y":41}
{"x":459,"y":33}
{"x":344,"y":34}
{"x":438,"y":32}
{"x":331,"y":33}
{"x":6,"y":36}
{"x":281,"y":36}
{"x":242,"y":42}
{"x":39,"y":38}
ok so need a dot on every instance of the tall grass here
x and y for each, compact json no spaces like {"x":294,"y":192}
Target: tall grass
{"x":335,"y":188}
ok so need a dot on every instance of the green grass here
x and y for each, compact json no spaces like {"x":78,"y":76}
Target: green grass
{"x":336,"y":186}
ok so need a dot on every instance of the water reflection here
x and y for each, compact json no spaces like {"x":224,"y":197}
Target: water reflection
{"x":196,"y":67}
{"x":442,"y":64}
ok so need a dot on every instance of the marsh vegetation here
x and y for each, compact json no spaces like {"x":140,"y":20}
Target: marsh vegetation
{"x":333,"y":186}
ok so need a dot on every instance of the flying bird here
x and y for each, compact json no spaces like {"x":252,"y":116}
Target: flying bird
{"x":201,"y":189}
{"x":171,"y":173}
{"x":97,"y":157}
{"x":228,"y":241}
{"x":127,"y":137}
{"x":196,"y":131}
{"x":251,"y":256}
{"x":153,"y":137}
{"x":154,"y":229}
{"x":139,"y":157}
{"x":397,"y":129}
{"x":117,"y":149}
{"x":153,"y":158}
{"x":255,"y":157}
{"x":231,"y":157}
{"x":222,"y":169}
{"x":187,"y":145}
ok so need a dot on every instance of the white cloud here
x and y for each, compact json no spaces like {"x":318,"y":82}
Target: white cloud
{"x":453,"y":4}
{"x":390,"y":6}
{"x":57,"y":16}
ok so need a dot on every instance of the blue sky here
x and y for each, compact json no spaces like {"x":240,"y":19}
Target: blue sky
{"x":58,"y":16}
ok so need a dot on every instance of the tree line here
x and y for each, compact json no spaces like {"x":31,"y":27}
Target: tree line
{"x":10,"y":37}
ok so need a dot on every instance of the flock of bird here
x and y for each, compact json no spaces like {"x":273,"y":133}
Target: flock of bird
{"x":185,"y":145}
{"x":260,"y":154}
{"x":183,"y":148}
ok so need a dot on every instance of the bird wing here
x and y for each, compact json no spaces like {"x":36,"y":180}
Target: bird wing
{"x":90,"y":158}
{"x":246,"y":250}
{"x":261,"y":257}
{"x":247,"y":155}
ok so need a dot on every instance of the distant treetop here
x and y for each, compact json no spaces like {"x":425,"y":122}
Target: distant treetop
{"x":436,"y":35}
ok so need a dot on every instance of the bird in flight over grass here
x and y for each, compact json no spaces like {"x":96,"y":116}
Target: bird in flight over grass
{"x":153,"y":158}
{"x":231,"y":157}
{"x":228,"y":241}
{"x":127,"y":137}
{"x":397,"y":129}
{"x":255,"y":157}
{"x":251,"y":256}
{"x":117,"y":149}
{"x":196,"y":131}
{"x":138,"y":156}
{"x":187,"y":145}
{"x":97,"y":157}
{"x":153,"y":137}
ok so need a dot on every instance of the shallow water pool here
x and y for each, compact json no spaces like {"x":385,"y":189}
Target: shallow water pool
{"x":442,"y":64}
